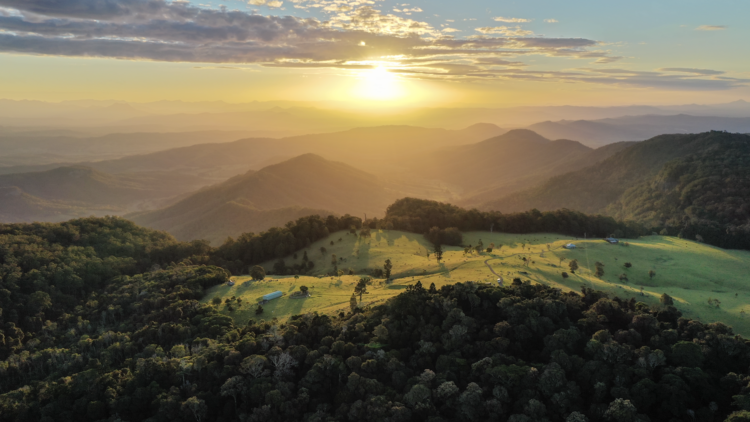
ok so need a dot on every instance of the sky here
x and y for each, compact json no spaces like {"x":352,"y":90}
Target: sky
{"x":378,"y":52}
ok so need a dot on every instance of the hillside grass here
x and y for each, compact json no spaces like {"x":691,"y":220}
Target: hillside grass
{"x":690,"y":272}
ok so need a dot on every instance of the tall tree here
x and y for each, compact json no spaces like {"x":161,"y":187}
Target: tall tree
{"x":437,"y":248}
{"x":387,"y":268}
{"x":361,"y":288}
{"x":573,"y":265}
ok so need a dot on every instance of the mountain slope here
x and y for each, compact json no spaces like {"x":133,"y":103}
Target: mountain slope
{"x":697,"y":184}
{"x":308,"y":181}
{"x":504,"y":163}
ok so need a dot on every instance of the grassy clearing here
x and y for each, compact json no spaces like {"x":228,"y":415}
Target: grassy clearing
{"x":689,"y":272}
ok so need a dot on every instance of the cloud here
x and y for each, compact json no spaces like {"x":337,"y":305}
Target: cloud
{"x":511,"y":20}
{"x":711,"y":28}
{"x":551,"y":20}
{"x":354,"y":36}
{"x":691,"y":70}
{"x":269,"y":3}
{"x":506,"y":30}
{"x":608,"y":59}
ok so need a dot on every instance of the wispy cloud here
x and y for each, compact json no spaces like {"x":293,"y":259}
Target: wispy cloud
{"x":269,"y":3}
{"x":551,"y":20}
{"x":711,"y":28}
{"x":511,"y":20}
{"x":692,"y":70}
{"x":508,"y":31}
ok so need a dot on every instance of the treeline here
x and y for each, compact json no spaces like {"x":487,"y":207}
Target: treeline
{"x":250,"y":248}
{"x":143,"y":348}
{"x":420,"y":215}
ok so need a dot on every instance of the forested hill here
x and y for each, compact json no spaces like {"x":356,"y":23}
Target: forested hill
{"x":691,"y":185}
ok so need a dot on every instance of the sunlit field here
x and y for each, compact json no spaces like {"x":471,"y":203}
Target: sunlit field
{"x":690,"y":272}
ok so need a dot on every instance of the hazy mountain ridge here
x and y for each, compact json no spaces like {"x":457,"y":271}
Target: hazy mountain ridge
{"x":78,"y":191}
{"x":308,"y":181}
{"x":635,"y":128}
{"x":503,"y":164}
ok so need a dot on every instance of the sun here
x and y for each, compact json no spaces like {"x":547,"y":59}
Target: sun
{"x":379,"y":84}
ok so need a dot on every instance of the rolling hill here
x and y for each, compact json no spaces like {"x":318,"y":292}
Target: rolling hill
{"x":634,"y":128}
{"x":274,"y":195}
{"x":688,"y":184}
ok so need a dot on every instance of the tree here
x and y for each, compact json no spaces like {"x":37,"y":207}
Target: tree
{"x":480,"y":246}
{"x":564,"y":274}
{"x":353,"y":302}
{"x":232,"y":388}
{"x":387,"y":268}
{"x":438,"y":250}
{"x":361,"y":288}
{"x":259,"y":310}
{"x":573,"y":266}
{"x":627,"y":265}
{"x":651,"y":274}
{"x":304,"y":290}
{"x":492,"y":246}
{"x":304,"y":257}
{"x":258,"y":272}
{"x":666,"y":300}
{"x":323,"y":250}
{"x":381,"y":332}
{"x":599,"y":269}
{"x":39,"y":301}
{"x":196,"y":407}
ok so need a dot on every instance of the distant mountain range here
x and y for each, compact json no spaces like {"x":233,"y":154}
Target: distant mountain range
{"x":312,"y":117}
{"x":30,"y":150}
{"x":596,"y":133}
{"x":271,"y":197}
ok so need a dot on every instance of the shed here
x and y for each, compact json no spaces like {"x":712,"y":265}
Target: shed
{"x":611,"y":240}
{"x":570,"y":246}
{"x":231,"y":283}
{"x":275,"y":295}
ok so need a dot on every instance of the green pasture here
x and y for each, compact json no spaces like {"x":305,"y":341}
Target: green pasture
{"x":690,"y":272}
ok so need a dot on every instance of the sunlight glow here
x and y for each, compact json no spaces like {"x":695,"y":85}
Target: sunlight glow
{"x":379,"y":84}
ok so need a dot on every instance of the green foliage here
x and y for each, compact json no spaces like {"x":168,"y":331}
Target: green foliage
{"x":387,"y":268}
{"x":257,"y":272}
{"x":361,"y":287}
{"x":422,"y":216}
{"x":573,"y":265}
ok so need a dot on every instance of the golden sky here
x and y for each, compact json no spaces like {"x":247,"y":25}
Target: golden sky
{"x":380,"y":53}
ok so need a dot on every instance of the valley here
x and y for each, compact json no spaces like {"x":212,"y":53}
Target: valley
{"x":689,"y":272}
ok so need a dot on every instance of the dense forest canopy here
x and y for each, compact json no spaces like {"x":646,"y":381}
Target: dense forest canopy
{"x":466,"y":352}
